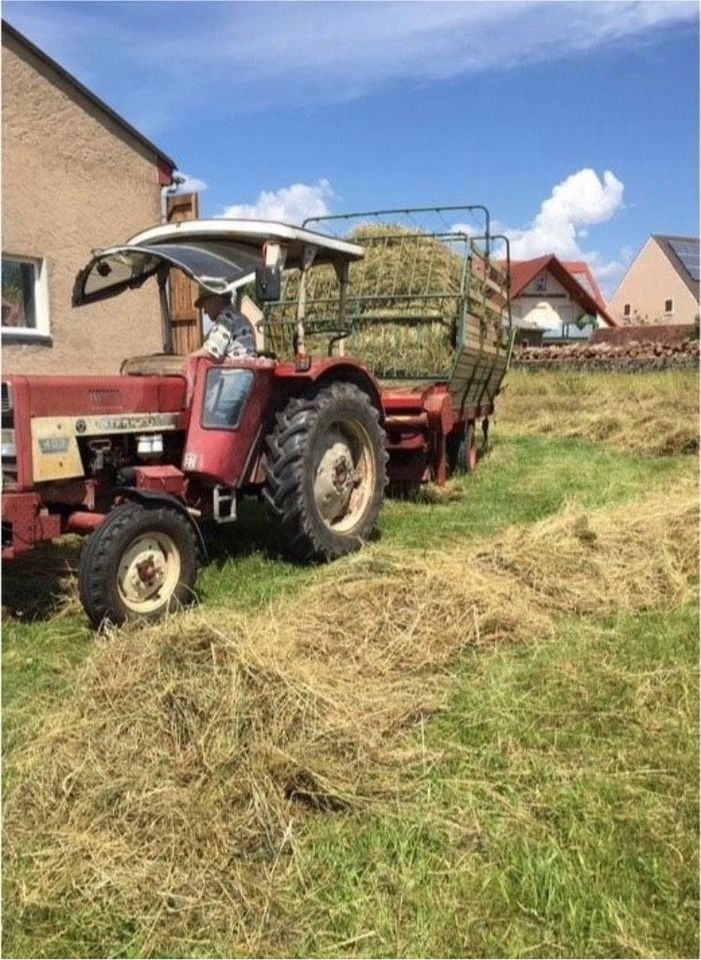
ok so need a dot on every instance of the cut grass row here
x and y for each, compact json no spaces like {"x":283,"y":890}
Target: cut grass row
{"x":559,"y":820}
{"x":166,"y":774}
{"x":655,"y":413}
{"x":522,"y":481}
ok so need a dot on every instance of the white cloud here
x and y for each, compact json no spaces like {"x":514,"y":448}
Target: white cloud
{"x":299,"y":54}
{"x":291,"y":204}
{"x":190,"y":184}
{"x":468,"y":229}
{"x":583,"y":199}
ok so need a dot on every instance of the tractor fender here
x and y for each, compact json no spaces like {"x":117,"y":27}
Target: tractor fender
{"x":152,"y":498}
{"x":342,"y":371}
{"x":320,"y":372}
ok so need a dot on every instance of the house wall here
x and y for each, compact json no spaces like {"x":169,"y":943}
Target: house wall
{"x":547,"y":309}
{"x":73,"y":180}
{"x":650,"y":281}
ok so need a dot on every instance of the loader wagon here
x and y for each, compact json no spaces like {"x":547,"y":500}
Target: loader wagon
{"x":427,"y":310}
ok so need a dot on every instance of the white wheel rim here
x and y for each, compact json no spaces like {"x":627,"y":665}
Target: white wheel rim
{"x":149,"y":572}
{"x":344,"y":475}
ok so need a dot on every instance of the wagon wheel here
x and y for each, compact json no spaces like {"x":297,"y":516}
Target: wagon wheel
{"x":462,"y":450}
{"x":485,"y":437}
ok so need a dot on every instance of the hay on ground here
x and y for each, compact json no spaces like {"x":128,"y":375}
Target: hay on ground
{"x":654,"y":413}
{"x":170,"y":787}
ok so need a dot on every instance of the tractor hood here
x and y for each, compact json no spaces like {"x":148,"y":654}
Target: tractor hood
{"x":217,"y":254}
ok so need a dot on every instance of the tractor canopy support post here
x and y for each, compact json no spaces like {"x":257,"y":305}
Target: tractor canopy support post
{"x":343,"y":273}
{"x":307,"y":261}
{"x":165,"y":311}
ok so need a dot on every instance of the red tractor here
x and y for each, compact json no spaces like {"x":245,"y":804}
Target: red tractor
{"x":139,"y":460}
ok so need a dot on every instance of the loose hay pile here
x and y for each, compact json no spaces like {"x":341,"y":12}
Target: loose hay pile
{"x":171,"y":786}
{"x":412,"y":281}
{"x":653,"y":413}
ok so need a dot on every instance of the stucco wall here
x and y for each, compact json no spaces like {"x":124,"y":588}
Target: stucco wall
{"x":549,"y":309}
{"x":650,"y":281}
{"x":73,"y":180}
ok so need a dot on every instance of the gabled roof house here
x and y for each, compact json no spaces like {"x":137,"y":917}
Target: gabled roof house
{"x":560,"y":298}
{"x":76,"y":175}
{"x":662,"y":283}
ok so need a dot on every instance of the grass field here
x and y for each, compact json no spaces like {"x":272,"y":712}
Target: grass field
{"x":477,"y":737}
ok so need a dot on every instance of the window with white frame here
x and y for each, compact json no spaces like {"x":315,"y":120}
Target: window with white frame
{"x":25,"y":302}
{"x":541,"y":284}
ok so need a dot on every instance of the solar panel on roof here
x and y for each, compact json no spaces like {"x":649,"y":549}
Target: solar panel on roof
{"x":688,"y":253}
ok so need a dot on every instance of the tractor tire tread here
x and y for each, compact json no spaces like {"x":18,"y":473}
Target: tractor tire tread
{"x":287,"y":449}
{"x":97,"y":566}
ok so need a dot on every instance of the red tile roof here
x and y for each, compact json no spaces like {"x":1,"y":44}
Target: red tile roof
{"x":576,"y":267}
{"x":525,"y":271}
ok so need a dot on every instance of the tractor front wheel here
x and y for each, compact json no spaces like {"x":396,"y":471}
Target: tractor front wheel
{"x":140,"y":564}
{"x":326,"y":472}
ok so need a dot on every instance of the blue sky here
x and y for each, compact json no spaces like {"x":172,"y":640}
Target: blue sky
{"x":577,"y":123}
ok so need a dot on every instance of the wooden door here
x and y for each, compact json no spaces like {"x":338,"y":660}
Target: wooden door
{"x":185,"y":317}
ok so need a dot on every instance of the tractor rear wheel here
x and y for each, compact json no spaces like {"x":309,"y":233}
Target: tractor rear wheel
{"x":140,"y":564}
{"x":325,"y":476}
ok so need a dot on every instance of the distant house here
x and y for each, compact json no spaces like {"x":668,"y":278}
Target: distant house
{"x":76,"y":176}
{"x":661,"y":285}
{"x":560,"y":299}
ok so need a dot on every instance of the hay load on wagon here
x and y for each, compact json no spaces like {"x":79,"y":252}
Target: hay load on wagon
{"x":411,"y":303}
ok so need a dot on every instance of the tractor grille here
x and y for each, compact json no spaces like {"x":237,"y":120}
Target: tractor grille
{"x":6,"y":397}
{"x":104,"y":399}
{"x":9,"y":449}
{"x":9,"y":471}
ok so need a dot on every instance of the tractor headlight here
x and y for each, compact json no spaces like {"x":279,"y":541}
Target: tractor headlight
{"x":149,"y":445}
{"x":9,"y":448}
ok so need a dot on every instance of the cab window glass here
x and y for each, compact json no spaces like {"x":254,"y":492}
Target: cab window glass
{"x":225,"y":397}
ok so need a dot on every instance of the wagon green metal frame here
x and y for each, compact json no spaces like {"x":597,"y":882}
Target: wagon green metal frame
{"x":465,"y":308}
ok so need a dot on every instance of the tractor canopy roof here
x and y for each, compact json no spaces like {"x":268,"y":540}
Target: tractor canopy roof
{"x":220,"y":255}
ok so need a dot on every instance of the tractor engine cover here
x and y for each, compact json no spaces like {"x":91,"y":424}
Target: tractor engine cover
{"x":50,"y":415}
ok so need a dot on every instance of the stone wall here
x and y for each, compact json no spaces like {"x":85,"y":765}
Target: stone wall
{"x":636,"y":355}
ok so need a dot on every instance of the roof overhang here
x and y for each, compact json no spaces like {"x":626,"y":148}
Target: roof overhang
{"x":568,"y":281}
{"x":14,"y":34}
